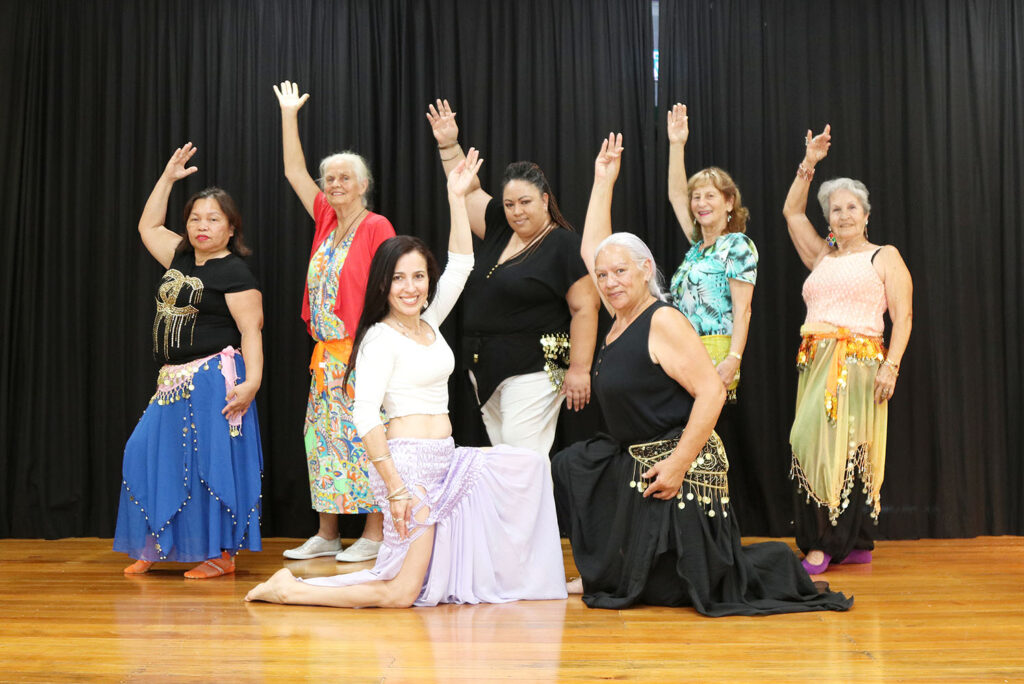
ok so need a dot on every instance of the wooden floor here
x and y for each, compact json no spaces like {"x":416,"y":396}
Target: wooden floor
{"x":925,"y":610}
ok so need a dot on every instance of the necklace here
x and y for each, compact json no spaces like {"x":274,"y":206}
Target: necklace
{"x":338,"y":239}
{"x":407,"y":331}
{"x":536,"y":238}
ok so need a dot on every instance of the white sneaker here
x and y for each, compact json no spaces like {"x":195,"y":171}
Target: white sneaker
{"x":314,"y":547}
{"x":361,"y":550}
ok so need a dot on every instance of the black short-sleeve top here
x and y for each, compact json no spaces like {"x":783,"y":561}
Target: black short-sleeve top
{"x":508,"y":307}
{"x":192,"y":316}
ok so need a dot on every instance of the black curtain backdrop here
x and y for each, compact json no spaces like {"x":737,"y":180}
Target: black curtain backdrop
{"x":96,"y":95}
{"x":924,"y":99}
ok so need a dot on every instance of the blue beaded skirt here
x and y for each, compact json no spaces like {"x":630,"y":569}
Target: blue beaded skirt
{"x":190,"y":483}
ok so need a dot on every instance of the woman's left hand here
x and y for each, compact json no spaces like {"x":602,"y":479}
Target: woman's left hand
{"x":239,"y":399}
{"x":609,"y":159}
{"x":885,"y":383}
{"x":666,"y":478}
{"x":576,"y":388}
{"x":461,"y":177}
{"x":727,"y":368}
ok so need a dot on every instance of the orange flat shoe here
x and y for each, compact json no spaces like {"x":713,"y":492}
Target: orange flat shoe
{"x":225,"y":565}
{"x":139,"y":567}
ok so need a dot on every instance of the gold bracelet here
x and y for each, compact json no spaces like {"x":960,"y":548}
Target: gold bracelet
{"x":805,"y":173}
{"x":397,"y":494}
{"x":892,"y":364}
{"x":385,"y":457}
{"x":736,"y":355}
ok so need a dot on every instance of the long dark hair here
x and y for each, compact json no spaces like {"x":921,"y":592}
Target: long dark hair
{"x":378,"y":286}
{"x":227,"y":205}
{"x":531,"y":173}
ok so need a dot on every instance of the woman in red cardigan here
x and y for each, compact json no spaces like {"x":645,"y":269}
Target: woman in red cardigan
{"x":345,"y":237}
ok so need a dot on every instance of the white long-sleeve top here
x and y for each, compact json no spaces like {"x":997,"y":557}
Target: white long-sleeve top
{"x":404,"y":377}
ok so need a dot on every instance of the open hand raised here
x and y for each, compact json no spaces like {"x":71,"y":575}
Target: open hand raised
{"x":678,"y":124}
{"x":175,"y":169}
{"x":288,"y":96}
{"x":817,"y":147}
{"x":461,"y":178}
{"x":442,"y":123}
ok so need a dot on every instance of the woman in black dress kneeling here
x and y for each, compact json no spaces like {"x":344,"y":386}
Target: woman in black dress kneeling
{"x":648,"y":503}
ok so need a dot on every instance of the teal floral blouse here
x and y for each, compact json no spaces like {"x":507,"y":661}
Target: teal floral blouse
{"x":700,"y":286}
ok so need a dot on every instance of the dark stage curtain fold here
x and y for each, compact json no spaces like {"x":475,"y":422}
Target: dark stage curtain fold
{"x":98,"y":94}
{"x":925,"y":102}
{"x":924,"y":99}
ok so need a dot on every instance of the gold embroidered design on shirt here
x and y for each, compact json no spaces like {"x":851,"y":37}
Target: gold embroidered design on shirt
{"x":172,"y":316}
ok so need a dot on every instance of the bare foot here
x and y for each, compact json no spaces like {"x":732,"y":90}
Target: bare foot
{"x":138,"y":567}
{"x":815,"y":557}
{"x":574,"y":586}
{"x":273,"y":590}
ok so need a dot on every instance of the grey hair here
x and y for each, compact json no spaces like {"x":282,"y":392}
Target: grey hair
{"x":358,"y":163}
{"x":855,"y":187}
{"x":640,"y":253}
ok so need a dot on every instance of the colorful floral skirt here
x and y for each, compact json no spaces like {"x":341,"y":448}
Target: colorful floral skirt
{"x":838,"y":434}
{"x":335,"y":455}
{"x":190,"y":483}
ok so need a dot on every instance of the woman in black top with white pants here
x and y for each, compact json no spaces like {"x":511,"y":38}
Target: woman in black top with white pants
{"x":530,"y":308}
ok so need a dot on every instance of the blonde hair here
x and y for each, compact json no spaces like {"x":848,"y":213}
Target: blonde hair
{"x":723,"y":182}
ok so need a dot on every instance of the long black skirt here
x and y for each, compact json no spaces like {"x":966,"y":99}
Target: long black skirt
{"x":632,"y":550}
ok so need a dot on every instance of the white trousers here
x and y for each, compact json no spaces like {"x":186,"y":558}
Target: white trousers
{"x":522,"y":412}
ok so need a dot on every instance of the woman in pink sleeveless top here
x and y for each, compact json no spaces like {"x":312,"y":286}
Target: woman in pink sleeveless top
{"x":847,"y":376}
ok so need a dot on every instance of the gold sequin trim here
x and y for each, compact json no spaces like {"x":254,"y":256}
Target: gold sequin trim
{"x":706,"y":482}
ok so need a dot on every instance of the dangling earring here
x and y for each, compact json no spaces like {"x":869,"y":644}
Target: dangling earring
{"x":728,"y":219}
{"x":865,"y":229}
{"x":831,"y":239}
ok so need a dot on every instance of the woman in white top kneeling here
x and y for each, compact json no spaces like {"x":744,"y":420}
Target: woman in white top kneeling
{"x":464,"y":525}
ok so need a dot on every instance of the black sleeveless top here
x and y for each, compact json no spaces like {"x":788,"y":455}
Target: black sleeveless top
{"x":640,"y":402}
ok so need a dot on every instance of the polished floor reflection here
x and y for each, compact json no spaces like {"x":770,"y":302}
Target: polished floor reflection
{"x":924,"y":609}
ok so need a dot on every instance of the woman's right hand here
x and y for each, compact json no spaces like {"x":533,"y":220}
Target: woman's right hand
{"x":678,"y":125}
{"x":288,"y":97}
{"x":176,"y":169}
{"x":401,"y":514}
{"x":442,"y":123}
{"x":817,"y":146}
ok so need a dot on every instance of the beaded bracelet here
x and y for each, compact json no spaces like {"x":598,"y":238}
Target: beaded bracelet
{"x":805,"y":173}
{"x":736,"y":355}
{"x":892,"y":364}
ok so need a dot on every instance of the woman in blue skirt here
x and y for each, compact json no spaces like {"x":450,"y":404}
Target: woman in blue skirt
{"x":190,"y":489}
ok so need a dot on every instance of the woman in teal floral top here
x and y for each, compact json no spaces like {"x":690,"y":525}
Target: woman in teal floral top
{"x":715,"y":283}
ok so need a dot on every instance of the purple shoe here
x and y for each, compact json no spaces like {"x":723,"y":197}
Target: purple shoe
{"x":857,"y":557}
{"x":817,"y":569}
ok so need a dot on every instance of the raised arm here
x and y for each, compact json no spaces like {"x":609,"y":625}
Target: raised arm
{"x":157,"y":238}
{"x":598,"y":224}
{"x":462,"y":179}
{"x":678,"y":192}
{"x":446,"y":132}
{"x":809,"y":245}
{"x":294,"y":160}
